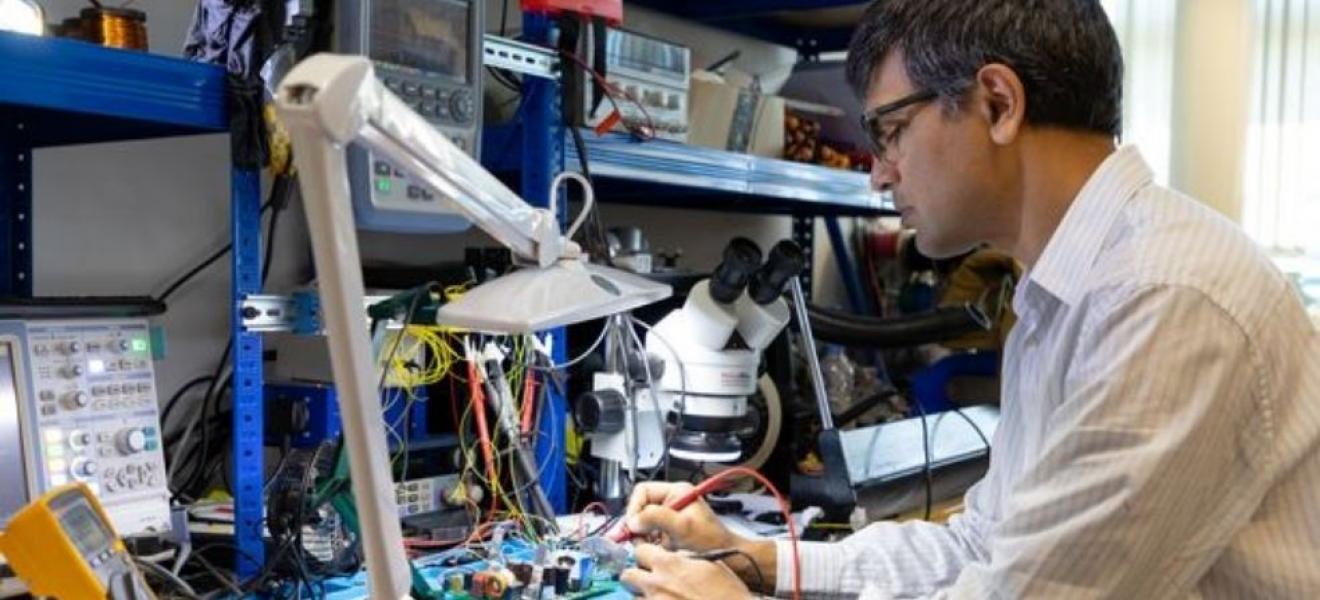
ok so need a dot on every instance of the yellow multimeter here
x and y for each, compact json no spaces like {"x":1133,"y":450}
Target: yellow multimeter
{"x":62,"y":546}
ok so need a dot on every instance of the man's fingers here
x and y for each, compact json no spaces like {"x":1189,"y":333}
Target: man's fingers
{"x":654,"y":492}
{"x":639,"y":581}
{"x":652,"y":557}
{"x":655,"y":518}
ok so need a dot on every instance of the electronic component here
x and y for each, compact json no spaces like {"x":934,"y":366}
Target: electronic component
{"x":78,"y":400}
{"x":64,"y":546}
{"x":428,"y":52}
{"x":309,"y":413}
{"x":655,"y":73}
{"x":430,"y":494}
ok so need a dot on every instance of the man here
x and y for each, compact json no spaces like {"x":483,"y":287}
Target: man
{"x":1160,"y":433}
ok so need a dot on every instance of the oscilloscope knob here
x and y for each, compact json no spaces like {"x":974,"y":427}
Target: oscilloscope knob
{"x":131,"y":441}
{"x":462,"y":106}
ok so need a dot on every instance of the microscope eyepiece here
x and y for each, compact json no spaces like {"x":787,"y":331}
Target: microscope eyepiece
{"x":785,"y":262}
{"x":741,"y":259}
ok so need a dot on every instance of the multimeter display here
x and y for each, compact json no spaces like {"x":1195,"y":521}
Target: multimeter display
{"x":422,"y":34}
{"x":85,"y":528}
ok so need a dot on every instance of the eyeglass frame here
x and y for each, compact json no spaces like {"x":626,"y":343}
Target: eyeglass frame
{"x":870,"y":122}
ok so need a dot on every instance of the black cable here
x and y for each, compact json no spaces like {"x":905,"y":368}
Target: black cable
{"x":280,"y":193}
{"x":601,"y":245}
{"x":760,"y":575}
{"x":207,"y":262}
{"x":981,"y":434}
{"x":170,"y":404}
{"x":925,"y":447}
{"x":202,"y":419}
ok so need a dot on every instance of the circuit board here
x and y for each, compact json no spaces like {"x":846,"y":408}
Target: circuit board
{"x":460,"y":575}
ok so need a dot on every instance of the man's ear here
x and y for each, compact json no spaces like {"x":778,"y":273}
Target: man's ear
{"x":1002,"y":102}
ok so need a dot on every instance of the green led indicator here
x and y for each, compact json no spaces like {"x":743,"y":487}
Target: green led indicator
{"x":139,"y":345}
{"x":383,"y":185}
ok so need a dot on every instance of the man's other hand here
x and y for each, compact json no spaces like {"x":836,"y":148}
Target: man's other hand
{"x":667,"y":575}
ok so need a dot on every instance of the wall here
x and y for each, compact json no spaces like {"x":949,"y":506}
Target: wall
{"x":128,"y":218}
{"x":1212,"y":83}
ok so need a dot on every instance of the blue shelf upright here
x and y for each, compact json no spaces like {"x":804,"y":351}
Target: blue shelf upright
{"x":248,"y":414}
{"x":542,"y":159}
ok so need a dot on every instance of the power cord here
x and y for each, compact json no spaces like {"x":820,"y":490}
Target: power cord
{"x":925,"y":447}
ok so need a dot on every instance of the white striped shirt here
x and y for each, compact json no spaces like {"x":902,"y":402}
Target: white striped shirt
{"x":1160,"y":433}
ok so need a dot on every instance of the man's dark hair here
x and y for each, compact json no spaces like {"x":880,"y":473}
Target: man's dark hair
{"x":1064,"y":51}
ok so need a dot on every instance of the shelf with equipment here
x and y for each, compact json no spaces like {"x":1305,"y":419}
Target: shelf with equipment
{"x":675,"y":175}
{"x":60,"y":92}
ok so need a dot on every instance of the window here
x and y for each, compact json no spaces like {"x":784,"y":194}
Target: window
{"x":1281,"y":183}
{"x":1147,"y":30}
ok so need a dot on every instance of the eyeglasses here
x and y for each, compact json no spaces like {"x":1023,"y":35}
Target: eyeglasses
{"x":883,"y":141}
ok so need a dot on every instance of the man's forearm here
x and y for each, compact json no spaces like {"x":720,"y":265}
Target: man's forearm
{"x":764,"y":554}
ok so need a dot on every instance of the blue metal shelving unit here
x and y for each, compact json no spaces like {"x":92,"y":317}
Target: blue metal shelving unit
{"x":59,"y":92}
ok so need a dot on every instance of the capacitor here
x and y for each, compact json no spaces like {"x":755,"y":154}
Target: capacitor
{"x":455,"y":583}
{"x":522,"y":571}
{"x":560,"y":575}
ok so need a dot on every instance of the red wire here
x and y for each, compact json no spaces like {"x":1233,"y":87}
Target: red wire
{"x":479,"y":407}
{"x":529,"y":394}
{"x":611,"y":91}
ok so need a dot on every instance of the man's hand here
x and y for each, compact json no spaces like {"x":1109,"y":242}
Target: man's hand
{"x":694,"y":528}
{"x":668,"y":575}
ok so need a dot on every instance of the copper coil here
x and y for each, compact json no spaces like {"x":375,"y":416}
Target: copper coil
{"x":115,"y":27}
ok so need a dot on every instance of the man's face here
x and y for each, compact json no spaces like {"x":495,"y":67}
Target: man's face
{"x":936,"y":163}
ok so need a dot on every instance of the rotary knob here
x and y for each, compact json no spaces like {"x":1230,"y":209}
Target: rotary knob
{"x":131,"y":441}
{"x":600,"y":411}
{"x":84,"y":467}
{"x":76,"y":400}
{"x":73,"y":347}
{"x":462,"y":106}
{"x":72,"y":371}
{"x":80,"y":439}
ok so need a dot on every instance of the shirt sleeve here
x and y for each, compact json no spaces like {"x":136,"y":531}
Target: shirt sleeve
{"x":1156,"y":456}
{"x":887,"y":558}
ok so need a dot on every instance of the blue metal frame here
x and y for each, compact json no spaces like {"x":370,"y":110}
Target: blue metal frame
{"x":543,"y":158}
{"x":15,"y":211}
{"x":59,"y":92}
{"x":248,"y":413}
{"x":857,"y":297}
{"x":71,"y":92}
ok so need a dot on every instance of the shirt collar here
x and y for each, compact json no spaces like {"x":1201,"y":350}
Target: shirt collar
{"x":1064,"y":266}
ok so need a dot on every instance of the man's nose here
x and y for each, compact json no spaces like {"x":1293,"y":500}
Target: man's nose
{"x":883,"y":175}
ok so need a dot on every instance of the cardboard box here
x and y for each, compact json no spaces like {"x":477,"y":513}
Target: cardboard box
{"x":734,"y":118}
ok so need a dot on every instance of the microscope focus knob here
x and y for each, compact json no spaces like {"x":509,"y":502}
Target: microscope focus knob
{"x":600,"y":411}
